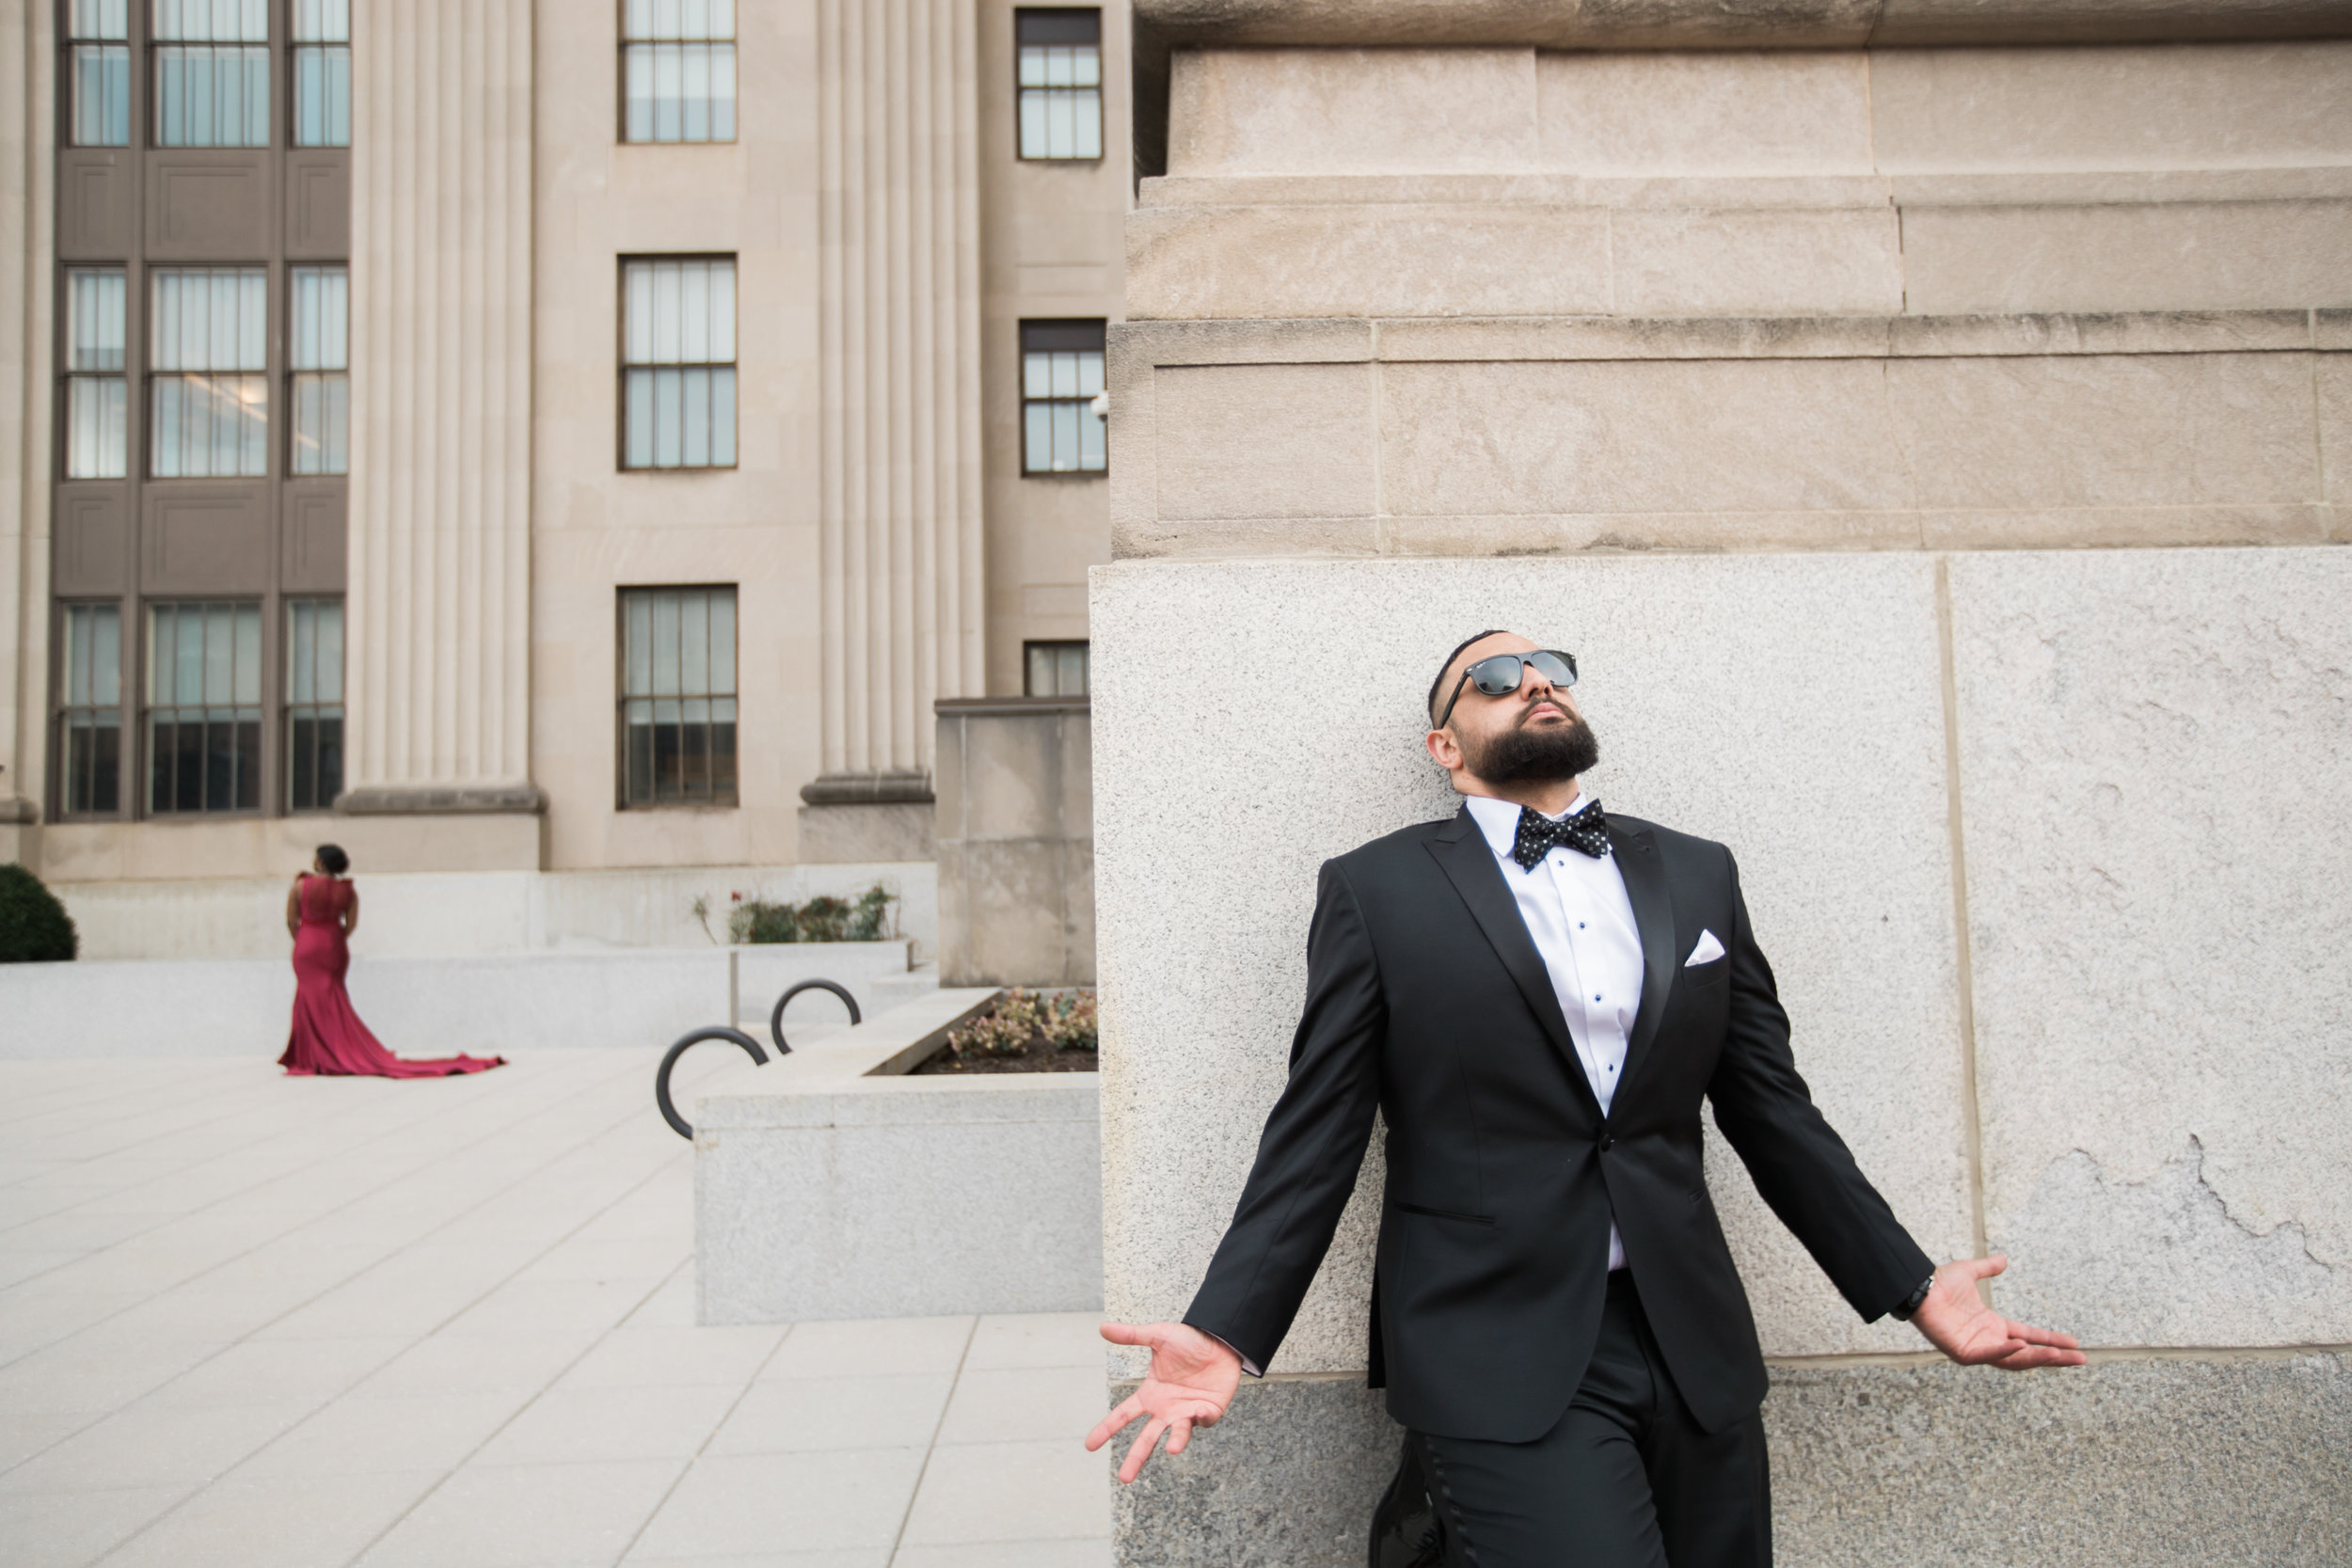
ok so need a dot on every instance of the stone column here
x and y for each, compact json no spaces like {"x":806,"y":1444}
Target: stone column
{"x":438,"y":683}
{"x":27,"y":47}
{"x":900,"y":514}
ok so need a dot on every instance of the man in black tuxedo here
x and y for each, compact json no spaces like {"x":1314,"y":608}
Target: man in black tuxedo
{"x":1537,"y":998}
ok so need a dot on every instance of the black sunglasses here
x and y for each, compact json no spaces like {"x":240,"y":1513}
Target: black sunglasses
{"x":1499,"y":676}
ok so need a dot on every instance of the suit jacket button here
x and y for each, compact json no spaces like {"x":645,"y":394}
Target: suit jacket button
{"x":1607,"y":1143}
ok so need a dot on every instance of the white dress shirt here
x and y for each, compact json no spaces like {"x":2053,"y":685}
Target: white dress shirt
{"x":1576,"y":911}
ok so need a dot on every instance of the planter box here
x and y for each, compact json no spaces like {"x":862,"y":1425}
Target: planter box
{"x":825,"y":1189}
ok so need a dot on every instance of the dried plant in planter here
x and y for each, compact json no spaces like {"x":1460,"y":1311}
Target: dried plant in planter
{"x":822,"y":918}
{"x":1027,"y":1031}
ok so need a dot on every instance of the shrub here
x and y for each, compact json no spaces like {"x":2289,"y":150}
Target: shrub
{"x":34,"y":927}
{"x":823,"y":918}
{"x":1066,"y":1021}
{"x":1070,"y":1020}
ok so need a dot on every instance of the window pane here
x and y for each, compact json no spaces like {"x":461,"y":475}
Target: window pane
{"x":1037,"y":455}
{"x":330,"y":676}
{"x":695,"y":420}
{"x":1093,"y":454}
{"x":665,"y":634}
{"x":102,"y":95}
{"x":210,"y":95}
{"x":723,"y":641}
{"x":637,"y":665}
{"x":97,"y":427}
{"x":723,"y":417}
{"x":637,"y":70}
{"x":637,"y":436}
{"x":322,"y":112}
{"x":695,"y":643}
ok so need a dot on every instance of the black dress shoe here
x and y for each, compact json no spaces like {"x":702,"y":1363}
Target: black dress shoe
{"x":1408,"y":1530}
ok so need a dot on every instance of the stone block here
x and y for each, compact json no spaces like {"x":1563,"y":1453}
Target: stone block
{"x":2152,"y":746}
{"x":2107,"y":429}
{"x":1264,"y":441}
{"x":2124,"y":1462}
{"x":1713,"y":682}
{"x":881,"y":832}
{"x":1756,"y":263}
{"x":2218,"y":107}
{"x":1628,"y":435}
{"x":2335,"y":381}
{"x":1011,"y":923}
{"x":1388,"y":111}
{"x":1367,"y":260}
{"x":890,"y":1198}
{"x":1778,"y":113}
{"x":2147,"y":256}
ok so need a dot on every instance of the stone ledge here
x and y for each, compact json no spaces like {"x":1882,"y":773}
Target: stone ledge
{"x":910,"y":787}
{"x":1703,"y":25}
{"x":1146,"y":345}
{"x":441,"y":799}
{"x":2145,"y":1461}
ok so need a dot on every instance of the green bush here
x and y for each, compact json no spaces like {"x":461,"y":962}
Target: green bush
{"x":823,"y":918}
{"x":34,"y":927}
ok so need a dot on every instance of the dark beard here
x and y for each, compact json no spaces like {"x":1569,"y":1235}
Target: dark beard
{"x":1525,"y":753}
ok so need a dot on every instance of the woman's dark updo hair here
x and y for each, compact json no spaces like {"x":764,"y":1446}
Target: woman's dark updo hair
{"x":332,"y":857}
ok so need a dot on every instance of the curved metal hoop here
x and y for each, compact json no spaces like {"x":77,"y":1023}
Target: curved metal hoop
{"x":775,"y":1020}
{"x":679,"y":1124}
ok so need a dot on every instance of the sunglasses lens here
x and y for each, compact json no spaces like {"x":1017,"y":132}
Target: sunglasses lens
{"x":1497,"y":675}
{"x":1559,"y":669}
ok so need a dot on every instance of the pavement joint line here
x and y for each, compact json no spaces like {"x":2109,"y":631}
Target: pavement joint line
{"x":700,"y":1449}
{"x":327,"y":1289}
{"x":421,"y":1498}
{"x":78,"y":1094}
{"x":199,"y":1162}
{"x":914,"y":1492}
{"x":425,"y":1161}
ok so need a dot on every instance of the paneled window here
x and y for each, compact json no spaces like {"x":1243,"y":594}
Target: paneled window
{"x":100,"y":49}
{"x":678,"y":696}
{"x":204,"y":707}
{"x":677,"y":70}
{"x":321,"y":72}
{"x":211,"y":396}
{"x":1055,"y":669}
{"x":1061,"y":82}
{"x":212,"y":73}
{"x":314,"y":704}
{"x":97,"y":397}
{"x":318,"y":355}
{"x":678,"y":364}
{"x":1062,"y":375}
{"x":93,"y":720}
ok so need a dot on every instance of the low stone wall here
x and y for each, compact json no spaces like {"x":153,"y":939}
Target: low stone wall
{"x":429,"y":913}
{"x":829,"y":1185}
{"x":433,"y":1006}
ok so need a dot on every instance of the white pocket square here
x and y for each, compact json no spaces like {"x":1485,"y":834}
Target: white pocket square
{"x":1706,"y":952}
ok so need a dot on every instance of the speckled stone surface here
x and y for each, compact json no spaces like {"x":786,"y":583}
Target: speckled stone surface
{"x":2156,"y":1462}
{"x":1252,"y":719}
{"x":2154,"y":749}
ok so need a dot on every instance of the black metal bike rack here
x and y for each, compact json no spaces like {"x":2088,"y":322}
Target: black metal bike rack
{"x":686,"y":1042}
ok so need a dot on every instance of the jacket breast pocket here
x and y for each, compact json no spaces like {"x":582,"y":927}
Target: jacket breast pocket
{"x":1701,"y":976}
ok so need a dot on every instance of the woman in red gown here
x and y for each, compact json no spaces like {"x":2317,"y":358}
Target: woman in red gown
{"x":329,"y":1039}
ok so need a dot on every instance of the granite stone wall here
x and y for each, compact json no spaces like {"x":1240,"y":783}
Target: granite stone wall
{"x":1937,"y":459}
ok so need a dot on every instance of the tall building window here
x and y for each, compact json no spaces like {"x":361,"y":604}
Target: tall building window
{"x":99,"y":38}
{"x":1062,"y":375}
{"x":318,"y":355}
{"x":314,"y":704}
{"x":677,"y":70}
{"x":678,"y":364}
{"x":1055,"y":669}
{"x":93,"y":720}
{"x":212,"y":73}
{"x":678,"y":696}
{"x":204,"y":707}
{"x":1061,"y":82}
{"x":321,"y":72}
{"x":97,"y":413}
{"x":211,"y":395}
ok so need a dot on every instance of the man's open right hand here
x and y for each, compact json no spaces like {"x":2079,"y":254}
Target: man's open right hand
{"x":1192,"y":1380}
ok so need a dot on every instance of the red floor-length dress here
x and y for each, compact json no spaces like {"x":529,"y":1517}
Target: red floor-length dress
{"x":329,"y":1039}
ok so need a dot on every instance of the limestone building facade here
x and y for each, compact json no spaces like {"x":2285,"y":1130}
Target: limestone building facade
{"x":535,"y":439}
{"x":1929,"y":423}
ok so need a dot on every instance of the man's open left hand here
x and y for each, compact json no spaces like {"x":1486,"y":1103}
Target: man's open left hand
{"x":1958,"y":1322}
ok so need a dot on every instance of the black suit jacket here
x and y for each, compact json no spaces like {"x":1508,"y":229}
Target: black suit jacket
{"x":1427,"y":1000}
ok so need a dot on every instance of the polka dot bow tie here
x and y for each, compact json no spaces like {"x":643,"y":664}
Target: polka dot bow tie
{"x":1586,"y":831}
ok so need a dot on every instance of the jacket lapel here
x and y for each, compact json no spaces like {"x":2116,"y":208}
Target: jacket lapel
{"x":1461,"y":849}
{"x":1654,"y":915}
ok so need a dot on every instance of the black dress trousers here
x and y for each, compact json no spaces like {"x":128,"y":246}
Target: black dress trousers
{"x":1626,"y":1479}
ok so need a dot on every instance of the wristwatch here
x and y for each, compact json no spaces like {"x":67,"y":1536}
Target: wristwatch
{"x":1913,"y":1301}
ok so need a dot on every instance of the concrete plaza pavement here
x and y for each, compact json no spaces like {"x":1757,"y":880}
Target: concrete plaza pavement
{"x":316,"y":1323}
